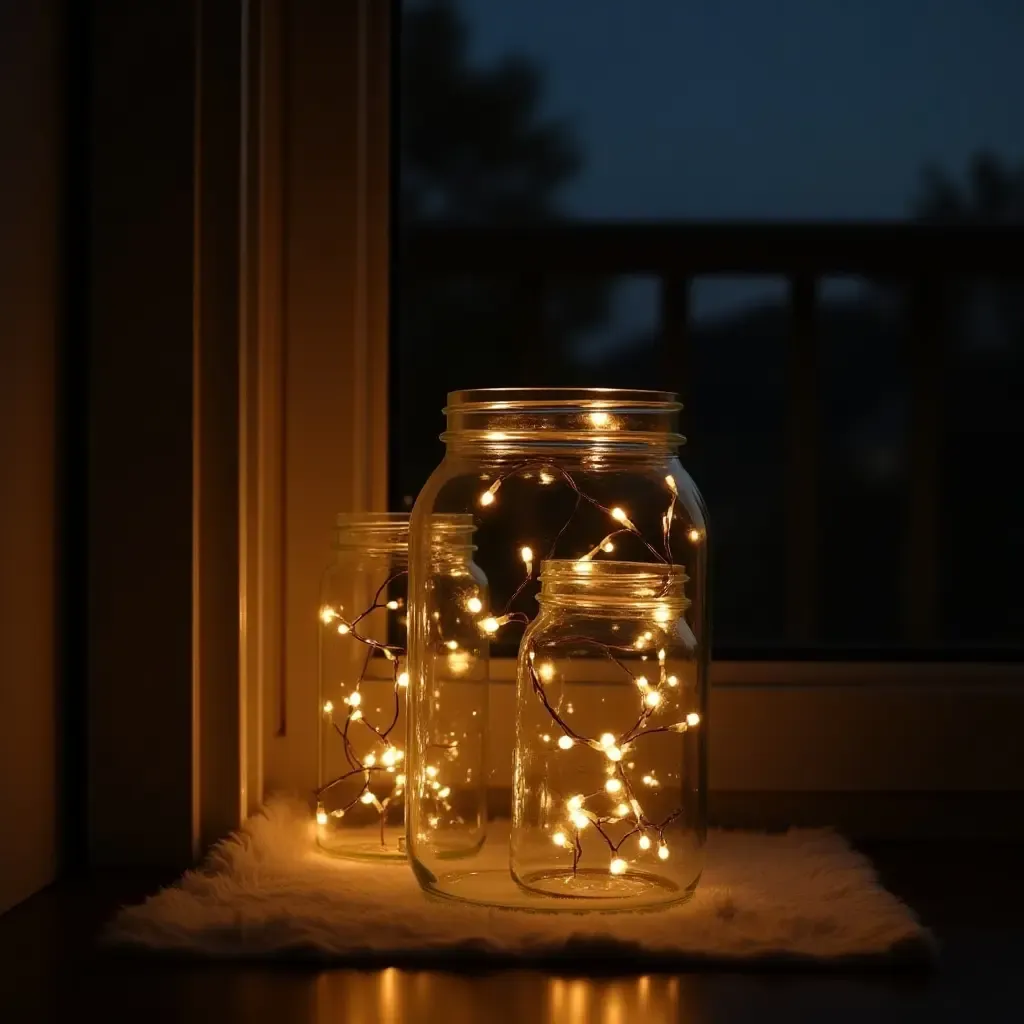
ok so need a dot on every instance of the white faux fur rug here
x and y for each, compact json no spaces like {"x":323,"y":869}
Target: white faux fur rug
{"x":801,"y":897}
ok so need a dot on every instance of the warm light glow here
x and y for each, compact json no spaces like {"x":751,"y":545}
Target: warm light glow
{"x":490,"y":624}
{"x":403,"y":678}
{"x":662,"y":613}
{"x":399,"y":780}
{"x":607,"y":547}
{"x":672,"y":681}
{"x":622,"y":810}
{"x":328,"y":707}
{"x":321,"y":816}
{"x":653,"y":699}
{"x":546,"y":738}
{"x":487,"y":498}
{"x":355,"y":716}
{"x":645,"y":842}
{"x":584,"y":566}
{"x":392,"y":606}
{"x":546,"y":478}
{"x":641,"y":682}
{"x":431,"y":771}
{"x":343,"y":628}
{"x":354,"y":699}
{"x":444,"y":793}
{"x":693,"y":718}
{"x":546,"y":671}
{"x":328,"y":615}
{"x":558,"y":839}
{"x":614,"y":754}
{"x":389,"y":757}
{"x":640,"y":643}
{"x":671,"y":481}
{"x":613,"y":786}
{"x":618,"y":866}
{"x":663,"y":852}
{"x":526,"y":554}
{"x":474,"y":605}
{"x":370,"y":760}
{"x":661,"y":656}
{"x":607,"y":739}
{"x":366,"y":798}
{"x":458,"y":662}
{"x":694,"y":535}
{"x":565,"y":742}
{"x":618,"y":514}
{"x":600,"y":419}
{"x":574,"y":803}
{"x":452,"y":645}
{"x":580,"y":820}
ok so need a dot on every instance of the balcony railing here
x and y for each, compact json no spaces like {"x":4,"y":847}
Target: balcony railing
{"x":919,"y":257}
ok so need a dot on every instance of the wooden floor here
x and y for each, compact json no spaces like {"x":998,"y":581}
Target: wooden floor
{"x":973,"y":897}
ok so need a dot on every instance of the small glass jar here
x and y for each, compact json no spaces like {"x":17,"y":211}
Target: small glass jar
{"x":575,"y":474}
{"x":360,"y":806}
{"x":609,"y":797}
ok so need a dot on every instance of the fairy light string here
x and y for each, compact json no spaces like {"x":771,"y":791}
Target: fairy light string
{"x":611,"y":748}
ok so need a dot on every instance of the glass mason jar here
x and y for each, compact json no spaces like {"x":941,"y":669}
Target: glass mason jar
{"x":363,"y":679}
{"x":574,"y":474}
{"x":608,"y":792}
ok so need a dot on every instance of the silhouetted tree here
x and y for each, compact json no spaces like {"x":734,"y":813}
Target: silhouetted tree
{"x":476,"y":149}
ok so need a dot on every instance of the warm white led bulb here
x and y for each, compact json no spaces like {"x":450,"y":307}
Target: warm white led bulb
{"x":328,"y":707}
{"x":580,"y":820}
{"x":693,"y":719}
{"x":393,"y":606}
{"x":693,"y":535}
{"x":672,"y":681}
{"x":327,"y":615}
{"x":612,"y":786}
{"x":574,"y":803}
{"x":584,"y":566}
{"x":618,"y":866}
{"x":607,"y":740}
{"x":558,"y":839}
{"x":474,"y":605}
{"x":662,"y":613}
{"x":607,"y":547}
{"x":403,"y":678}
{"x":641,"y":681}
{"x":431,"y":771}
{"x":645,"y":842}
{"x":445,"y":793}
{"x":653,"y":699}
{"x":663,"y":852}
{"x":618,"y":515}
{"x":613,"y":753}
{"x":526,"y":554}
{"x":356,"y":715}
{"x":370,"y":760}
{"x":343,"y":628}
{"x":622,"y":810}
{"x":366,"y":798}
{"x":600,"y":419}
{"x":546,"y":671}
{"x":321,"y":816}
{"x":490,"y":624}
{"x":354,"y":699}
{"x":487,"y":498}
{"x":565,"y":742}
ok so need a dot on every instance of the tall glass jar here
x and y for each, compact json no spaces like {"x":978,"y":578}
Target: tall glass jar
{"x":608,"y":795}
{"x":360,"y":805}
{"x":574,"y":474}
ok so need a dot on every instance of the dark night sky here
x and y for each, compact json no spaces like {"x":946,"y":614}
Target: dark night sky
{"x":775,"y":109}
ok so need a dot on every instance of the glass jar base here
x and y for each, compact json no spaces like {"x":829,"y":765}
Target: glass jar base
{"x":365,"y":843}
{"x":596,"y":884}
{"x":497,"y":887}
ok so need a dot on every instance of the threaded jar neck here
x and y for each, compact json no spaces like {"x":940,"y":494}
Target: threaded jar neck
{"x":509,"y":421}
{"x":641,"y":588}
{"x":387,"y":533}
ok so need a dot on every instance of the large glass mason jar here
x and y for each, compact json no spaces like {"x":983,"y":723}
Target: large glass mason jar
{"x":363,"y":680}
{"x":585,"y":478}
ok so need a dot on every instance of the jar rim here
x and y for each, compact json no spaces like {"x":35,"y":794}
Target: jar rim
{"x":560,"y":398}
{"x":569,"y":569}
{"x":390,"y":530}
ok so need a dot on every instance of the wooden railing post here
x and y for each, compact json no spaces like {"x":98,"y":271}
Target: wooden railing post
{"x":802,"y":432}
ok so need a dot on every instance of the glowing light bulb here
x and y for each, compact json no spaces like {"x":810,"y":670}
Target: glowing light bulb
{"x":641,"y":682}
{"x":546,"y":671}
{"x":671,"y":482}
{"x":327,"y":615}
{"x":645,"y":842}
{"x":607,"y":547}
{"x":444,"y":793}
{"x":392,"y":606}
{"x":663,"y":852}
{"x":474,"y":605}
{"x":366,"y":798}
{"x":399,"y":780}
{"x":693,"y":535}
{"x":546,"y":478}
{"x":672,"y":681}
{"x":403,"y":678}
{"x":526,"y":554}
{"x":343,"y":628}
{"x":640,"y":643}
{"x":618,"y":515}
{"x":584,"y":566}
{"x":452,"y":645}
{"x":558,"y":839}
{"x":653,"y":699}
{"x":321,"y":816}
{"x":487,"y":498}
{"x":490,"y":624}
{"x":574,"y":803}
{"x":661,"y":656}
{"x":613,"y":754}
{"x":612,"y":786}
{"x":600,"y":419}
{"x":431,"y":771}
{"x":328,"y":707}
{"x":565,"y":742}
{"x":354,"y":699}
{"x":622,"y":810}
{"x":356,"y":715}
{"x":618,"y":866}
{"x":607,"y":740}
{"x":389,"y":757}
{"x":580,"y":820}
{"x":370,"y":760}
{"x":662,"y":613}
{"x":693,"y":719}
